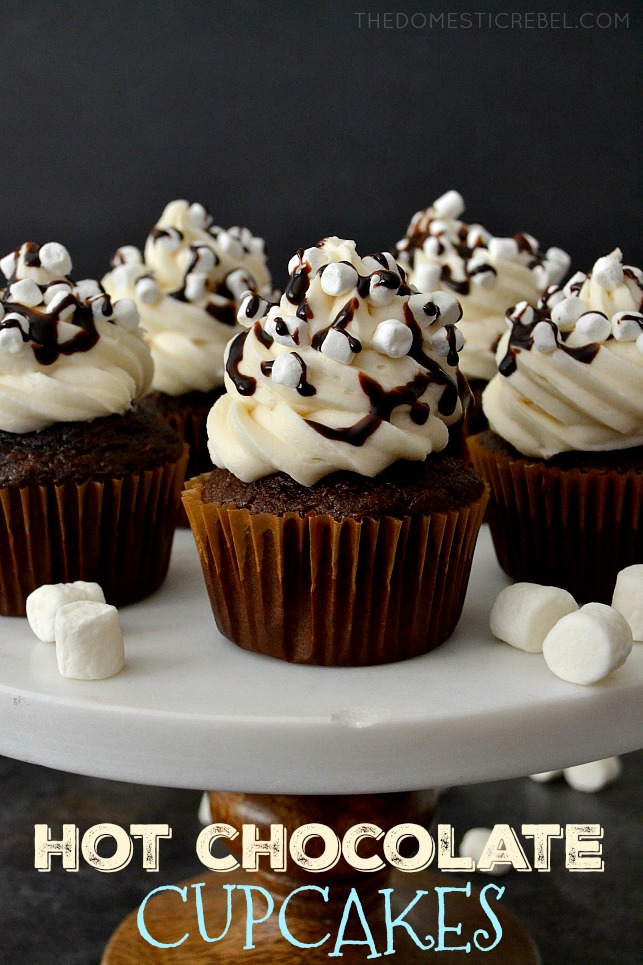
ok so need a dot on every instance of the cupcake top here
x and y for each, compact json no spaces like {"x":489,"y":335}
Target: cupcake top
{"x":487,"y":274}
{"x":67,"y":352}
{"x":187,"y":284}
{"x":350,"y":371}
{"x":570,"y":372}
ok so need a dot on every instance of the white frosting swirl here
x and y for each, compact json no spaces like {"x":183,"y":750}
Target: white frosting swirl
{"x":66,"y":353}
{"x":487,"y":274}
{"x":571,"y":378}
{"x":349,"y":372}
{"x":186,"y":286}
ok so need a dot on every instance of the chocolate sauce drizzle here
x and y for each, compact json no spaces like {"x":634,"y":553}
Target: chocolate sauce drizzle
{"x":344,"y":316}
{"x":244,"y":384}
{"x":226,"y":313}
{"x":521,"y":339}
{"x":43,"y":329}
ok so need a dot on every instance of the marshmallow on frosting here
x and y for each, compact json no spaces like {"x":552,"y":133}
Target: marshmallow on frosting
{"x":67,"y":352}
{"x":571,"y":378}
{"x":487,"y":274}
{"x":187,"y":284}
{"x":352,"y":370}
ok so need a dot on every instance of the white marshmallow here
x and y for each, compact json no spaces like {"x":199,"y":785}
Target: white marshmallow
{"x":128,"y":254}
{"x":337,"y":346}
{"x":147,"y":290}
{"x":594,"y":326}
{"x":239,"y":282}
{"x":542,"y":276}
{"x":170,"y":241}
{"x":379,"y":291}
{"x":593,"y":776}
{"x":52,"y":290}
{"x":566,"y":313}
{"x":11,"y":341}
{"x":89,"y":642}
{"x":54,"y":257}
{"x":8,"y":264}
{"x":544,"y":777}
{"x":287,"y":370}
{"x":523,"y":313}
{"x":557,"y":262}
{"x":20,"y":319}
{"x":205,"y":811}
{"x":503,"y":248}
{"x":46,"y":600}
{"x":205,"y":258}
{"x":575,"y":283}
{"x":552,"y":296}
{"x":424,"y":309}
{"x":257,"y":246}
{"x":251,"y":308}
{"x":198,"y":216}
{"x":101,"y":305}
{"x":586,"y":646}
{"x":438,"y":227}
{"x":608,"y":273}
{"x":427,"y":277}
{"x":544,"y":337}
{"x":315,"y":258}
{"x":485,"y":278}
{"x":441,"y":342}
{"x":450,"y":308}
{"x":125,"y":275}
{"x":627,"y":326}
{"x":392,"y":338}
{"x":86,"y":289}
{"x":337,"y":279}
{"x":195,"y":285}
{"x":628,"y":598}
{"x":473,"y":844}
{"x":431,"y":247}
{"x":477,"y":235}
{"x":449,"y":205}
{"x":372,"y":264}
{"x":230,"y":245}
{"x":298,"y":330}
{"x":25,"y":292}
{"x":126,"y":314}
{"x":524,"y":613}
{"x":54,"y":306}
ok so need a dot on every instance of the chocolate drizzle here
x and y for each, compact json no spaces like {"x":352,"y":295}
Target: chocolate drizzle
{"x":452,"y":390}
{"x":298,"y":284}
{"x":43,"y":329}
{"x":521,"y":339}
{"x":344,"y":316}
{"x":225,"y":313}
{"x":303,"y":386}
{"x":244,"y":384}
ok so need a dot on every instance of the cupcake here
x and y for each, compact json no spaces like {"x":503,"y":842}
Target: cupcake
{"x":564,"y":451}
{"x":89,"y":488}
{"x":334,"y":531}
{"x":186,"y":286}
{"x":487,"y":274}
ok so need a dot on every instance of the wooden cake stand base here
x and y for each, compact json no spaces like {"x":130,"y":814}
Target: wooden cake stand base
{"x":309,"y":918}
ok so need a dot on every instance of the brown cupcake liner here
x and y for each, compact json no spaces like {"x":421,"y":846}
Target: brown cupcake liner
{"x":334,"y":592}
{"x":116,"y":532}
{"x":572,"y":528}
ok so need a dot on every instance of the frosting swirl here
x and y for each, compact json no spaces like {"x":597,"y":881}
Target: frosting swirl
{"x":67,"y":353}
{"x":487,"y":274}
{"x":350,"y":371}
{"x":186,"y":285}
{"x":570,"y":372}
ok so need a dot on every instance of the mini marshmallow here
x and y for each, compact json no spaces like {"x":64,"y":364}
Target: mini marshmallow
{"x":17,"y":319}
{"x":205,"y":811}
{"x":477,"y":235}
{"x":627,"y":326}
{"x":473,"y":844}
{"x":101,"y":305}
{"x":206,"y":258}
{"x":544,"y":777}
{"x":431,"y":247}
{"x":125,"y":275}
{"x":595,"y":775}
{"x":89,"y":642}
{"x":54,"y":257}
{"x":575,"y":283}
{"x":297,"y":330}
{"x":594,"y":326}
{"x":58,"y":307}
{"x":11,"y":340}
{"x":337,"y":346}
{"x":126,"y":314}
{"x":427,"y":277}
{"x":552,"y":295}
{"x":239,"y":282}
{"x":257,"y":246}
{"x":127,"y":254}
{"x":287,"y":370}
{"x":557,"y":262}
{"x":8,"y":264}
{"x":608,"y":273}
{"x":586,"y":646}
{"x":251,"y":308}
{"x":25,"y":292}
{"x":195,"y":285}
{"x":438,"y":227}
{"x":392,"y":338}
{"x":229,"y":245}
{"x":544,"y":337}
{"x":198,"y":216}
{"x":542,"y":275}
{"x":371,"y":263}
{"x":449,"y":306}
{"x":503,"y":248}
{"x":441,"y":342}
{"x":521,"y":312}
{"x":147,"y":290}
{"x":338,"y":278}
{"x":524,"y":613}
{"x":44,"y":602}
{"x":424,"y":308}
{"x":169,"y":240}
{"x":52,"y":290}
{"x":566,"y":313}
{"x":86,"y":289}
{"x":314,"y":257}
{"x":383,"y":287}
{"x":242,"y":233}
{"x":449,"y":205}
{"x":628,"y":598}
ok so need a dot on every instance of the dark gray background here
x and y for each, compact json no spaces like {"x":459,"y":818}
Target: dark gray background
{"x":288,"y":117}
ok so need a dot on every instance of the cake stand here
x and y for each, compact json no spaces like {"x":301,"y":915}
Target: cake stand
{"x":294,"y":744}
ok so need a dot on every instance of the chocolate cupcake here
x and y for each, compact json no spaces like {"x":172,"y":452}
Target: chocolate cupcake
{"x":89,"y":489}
{"x":487,"y":274}
{"x":334,"y":531}
{"x":186,"y":285}
{"x":564,"y":454}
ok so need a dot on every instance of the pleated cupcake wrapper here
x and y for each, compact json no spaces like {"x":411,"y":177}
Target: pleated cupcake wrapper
{"x":116,"y":532}
{"x":191,"y":426}
{"x":564,"y":527}
{"x":334,"y":592}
